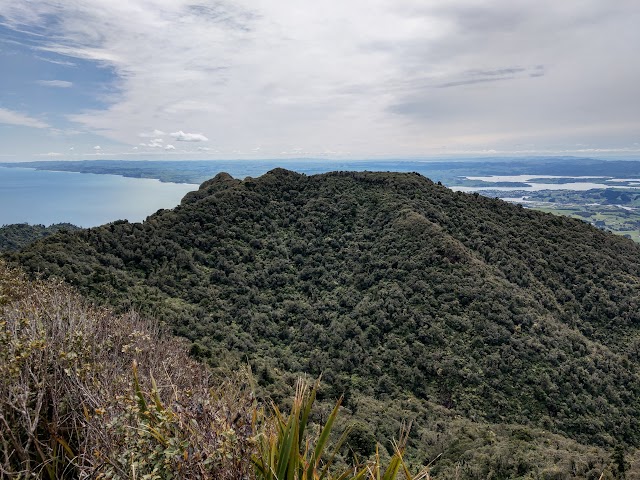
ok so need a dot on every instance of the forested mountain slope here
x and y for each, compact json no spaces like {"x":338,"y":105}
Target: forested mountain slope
{"x":392,"y":287}
{"x":19,"y":235}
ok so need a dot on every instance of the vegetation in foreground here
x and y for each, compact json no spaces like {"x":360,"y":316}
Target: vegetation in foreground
{"x":86,"y":394}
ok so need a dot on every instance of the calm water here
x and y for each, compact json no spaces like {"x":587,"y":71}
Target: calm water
{"x":539,"y":186}
{"x":42,"y":197}
{"x":88,"y":200}
{"x":536,"y":187}
{"x":45,"y":197}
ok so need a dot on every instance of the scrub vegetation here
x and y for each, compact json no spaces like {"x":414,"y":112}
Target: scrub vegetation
{"x":507,"y":338}
{"x":19,"y":235}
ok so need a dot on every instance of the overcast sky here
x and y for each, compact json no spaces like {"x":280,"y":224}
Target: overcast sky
{"x":85,"y":79}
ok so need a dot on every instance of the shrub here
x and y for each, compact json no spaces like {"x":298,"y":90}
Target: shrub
{"x":287,"y":448}
{"x":75,"y":403}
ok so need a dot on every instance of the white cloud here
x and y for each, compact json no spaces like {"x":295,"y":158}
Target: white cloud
{"x":155,"y":143}
{"x":72,"y":148}
{"x":367,"y":78}
{"x":52,"y":154}
{"x":55,"y":83}
{"x":154,"y":133}
{"x":10,"y":117}
{"x":189,"y":137}
{"x":56,"y":62}
{"x":65,"y":131}
{"x":169,"y":147}
{"x":97,"y":148}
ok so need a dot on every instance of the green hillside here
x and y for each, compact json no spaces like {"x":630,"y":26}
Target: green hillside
{"x":415,"y":301}
{"x":73,"y":403}
{"x":19,"y":235}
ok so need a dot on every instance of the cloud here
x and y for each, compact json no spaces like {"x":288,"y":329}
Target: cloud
{"x":189,"y":137}
{"x":55,"y":83}
{"x":65,"y":131}
{"x":471,"y":81}
{"x":357,"y":77}
{"x":154,"y":133}
{"x":10,"y":117}
{"x":97,"y":148}
{"x":155,"y":143}
{"x":169,"y":147}
{"x":65,"y":63}
{"x":472,"y":77}
{"x":52,"y":154}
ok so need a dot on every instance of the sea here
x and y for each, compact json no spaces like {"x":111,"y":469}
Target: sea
{"x":86,"y":200}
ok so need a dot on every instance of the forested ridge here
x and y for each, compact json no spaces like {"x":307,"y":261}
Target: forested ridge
{"x":463,"y":313}
{"x":19,"y":235}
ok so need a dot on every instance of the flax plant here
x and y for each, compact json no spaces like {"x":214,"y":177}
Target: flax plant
{"x":287,"y":450}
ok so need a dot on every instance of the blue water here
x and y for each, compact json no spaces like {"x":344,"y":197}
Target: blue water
{"x":43,"y":197}
{"x":87,"y":200}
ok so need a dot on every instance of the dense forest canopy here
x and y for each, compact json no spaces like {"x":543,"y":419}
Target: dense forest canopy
{"x":78,"y":396}
{"x":392,"y":287}
{"x":19,"y":235}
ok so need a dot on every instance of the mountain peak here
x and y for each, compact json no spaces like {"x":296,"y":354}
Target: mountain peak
{"x":388,"y":285}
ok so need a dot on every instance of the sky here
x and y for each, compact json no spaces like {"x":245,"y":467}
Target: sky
{"x":156,"y":79}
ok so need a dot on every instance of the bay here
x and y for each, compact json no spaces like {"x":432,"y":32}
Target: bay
{"x":90,"y":199}
{"x":87,"y":200}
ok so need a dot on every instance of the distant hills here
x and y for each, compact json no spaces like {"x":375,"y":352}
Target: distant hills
{"x":448,"y":171}
{"x":468,"y":315}
{"x":19,"y":235}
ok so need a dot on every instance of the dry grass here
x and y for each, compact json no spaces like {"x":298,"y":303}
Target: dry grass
{"x":73,"y":406}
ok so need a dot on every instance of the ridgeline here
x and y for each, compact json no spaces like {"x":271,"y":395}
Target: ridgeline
{"x":498,"y":330}
{"x":19,"y":235}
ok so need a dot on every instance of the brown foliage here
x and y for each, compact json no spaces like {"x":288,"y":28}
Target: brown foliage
{"x":72,"y":406}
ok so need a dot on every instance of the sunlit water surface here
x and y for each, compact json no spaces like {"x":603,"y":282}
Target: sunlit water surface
{"x":43,"y":197}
